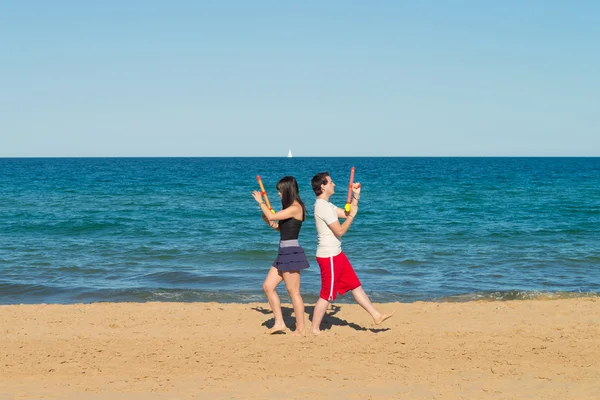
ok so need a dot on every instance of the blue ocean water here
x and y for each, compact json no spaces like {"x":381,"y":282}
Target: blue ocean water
{"x":187,"y":229}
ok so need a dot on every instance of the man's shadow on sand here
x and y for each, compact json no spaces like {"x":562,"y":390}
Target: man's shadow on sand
{"x":329,"y":319}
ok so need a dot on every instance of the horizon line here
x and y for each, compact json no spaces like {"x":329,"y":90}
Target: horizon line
{"x":285,"y":157}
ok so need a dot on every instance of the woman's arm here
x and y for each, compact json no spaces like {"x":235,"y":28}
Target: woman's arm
{"x":289,"y":212}
{"x":261,"y":204}
{"x":279,"y":215}
{"x":272,"y":224}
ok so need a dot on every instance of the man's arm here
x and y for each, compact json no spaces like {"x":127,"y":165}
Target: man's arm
{"x":341,"y":213}
{"x":340,"y":229}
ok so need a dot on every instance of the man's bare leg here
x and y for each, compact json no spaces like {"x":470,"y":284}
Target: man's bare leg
{"x":292,"y":283}
{"x":273,"y":279}
{"x":363,"y":300}
{"x":318,"y":314}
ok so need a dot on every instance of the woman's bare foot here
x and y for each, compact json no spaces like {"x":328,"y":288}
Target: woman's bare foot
{"x":276,"y":329}
{"x":382,"y":318}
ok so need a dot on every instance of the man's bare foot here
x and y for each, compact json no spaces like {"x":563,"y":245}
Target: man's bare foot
{"x":322,"y":333}
{"x":298,"y":332}
{"x":276,"y":329}
{"x":382,"y":318}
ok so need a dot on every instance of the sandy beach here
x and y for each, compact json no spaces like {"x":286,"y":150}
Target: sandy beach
{"x":538,"y":349}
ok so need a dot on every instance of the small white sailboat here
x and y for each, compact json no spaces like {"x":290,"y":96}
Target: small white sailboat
{"x":290,"y":153}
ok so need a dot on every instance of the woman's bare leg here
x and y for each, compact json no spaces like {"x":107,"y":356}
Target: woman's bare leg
{"x":292,"y":283}
{"x":273,"y":279}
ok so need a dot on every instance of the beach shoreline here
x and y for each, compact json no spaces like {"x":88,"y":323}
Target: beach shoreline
{"x":498,"y":350}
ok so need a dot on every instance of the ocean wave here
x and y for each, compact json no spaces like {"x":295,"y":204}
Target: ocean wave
{"x":410,"y":261}
{"x":182,"y":277}
{"x":516,"y":295}
{"x":189,"y":230}
{"x":377,"y":271}
{"x":137,"y":295}
{"x":248,"y":255}
{"x":78,"y":269}
{"x":28,"y":293}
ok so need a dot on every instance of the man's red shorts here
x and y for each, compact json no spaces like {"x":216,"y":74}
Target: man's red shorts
{"x":337,"y":276}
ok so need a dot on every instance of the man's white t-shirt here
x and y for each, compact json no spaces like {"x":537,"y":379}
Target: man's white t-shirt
{"x":329,"y":245}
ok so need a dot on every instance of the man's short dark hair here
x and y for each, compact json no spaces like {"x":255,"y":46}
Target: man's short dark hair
{"x":318,"y":180}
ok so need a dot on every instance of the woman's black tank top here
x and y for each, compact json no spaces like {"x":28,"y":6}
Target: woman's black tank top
{"x":289,"y":228}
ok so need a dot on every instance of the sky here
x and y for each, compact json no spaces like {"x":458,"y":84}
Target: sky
{"x":322,"y":78}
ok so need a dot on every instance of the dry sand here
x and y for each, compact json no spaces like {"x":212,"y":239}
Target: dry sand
{"x":539,"y":349}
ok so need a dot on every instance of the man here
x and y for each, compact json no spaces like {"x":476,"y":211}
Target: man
{"x":337,"y":274}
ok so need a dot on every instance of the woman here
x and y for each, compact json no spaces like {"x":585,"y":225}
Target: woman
{"x":291,"y":258}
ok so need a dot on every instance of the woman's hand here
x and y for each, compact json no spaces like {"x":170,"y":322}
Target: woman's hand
{"x":356,"y":189}
{"x":272,"y":224}
{"x":257,"y":196}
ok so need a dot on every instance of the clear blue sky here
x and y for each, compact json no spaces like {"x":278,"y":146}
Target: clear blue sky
{"x":326,"y":78}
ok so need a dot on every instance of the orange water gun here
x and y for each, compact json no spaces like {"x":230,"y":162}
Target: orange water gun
{"x":262,"y":192}
{"x":347,"y":207}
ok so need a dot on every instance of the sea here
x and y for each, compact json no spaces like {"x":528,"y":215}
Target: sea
{"x":83,"y":230}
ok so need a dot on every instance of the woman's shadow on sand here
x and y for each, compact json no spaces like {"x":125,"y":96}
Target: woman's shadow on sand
{"x":329,"y":319}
